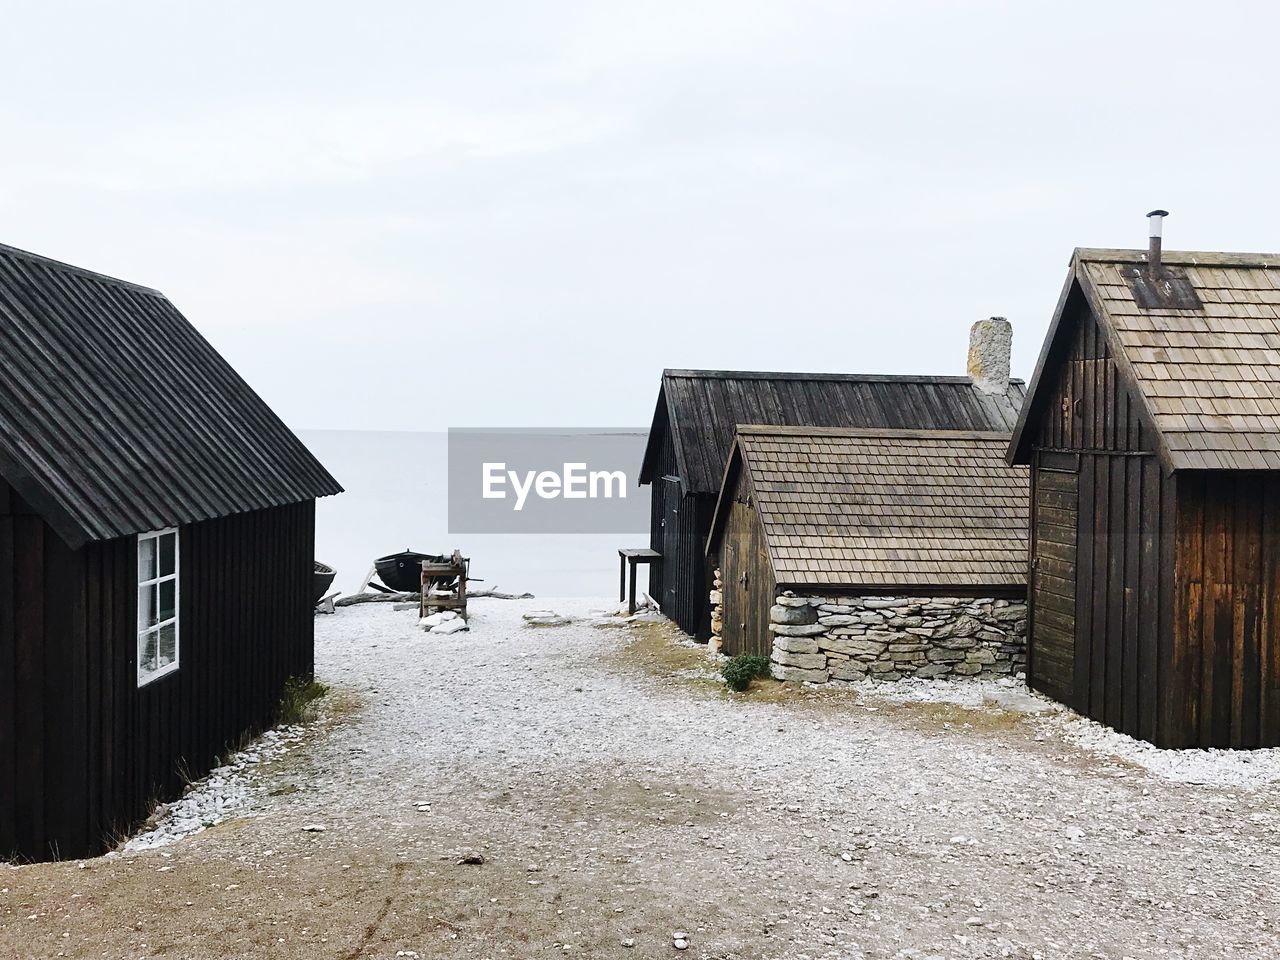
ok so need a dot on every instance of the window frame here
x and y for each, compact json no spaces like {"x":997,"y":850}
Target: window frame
{"x":146,"y":677}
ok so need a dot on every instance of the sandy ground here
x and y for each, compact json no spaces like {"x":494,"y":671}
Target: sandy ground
{"x":616,"y":794}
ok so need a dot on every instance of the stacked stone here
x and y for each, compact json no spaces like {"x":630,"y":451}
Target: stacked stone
{"x":822,"y":639}
{"x":717,"y":604}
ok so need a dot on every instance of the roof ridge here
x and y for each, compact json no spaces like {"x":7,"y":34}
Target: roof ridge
{"x":1188,"y":258}
{"x":835,"y":377}
{"x":79,"y":271}
{"x":873,"y":432}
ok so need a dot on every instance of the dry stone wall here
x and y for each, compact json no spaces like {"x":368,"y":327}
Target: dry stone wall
{"x":834,"y":639}
{"x":717,"y":604}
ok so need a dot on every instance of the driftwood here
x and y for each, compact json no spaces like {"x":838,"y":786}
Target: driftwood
{"x":411,"y":600}
{"x":355,"y":598}
{"x":498,"y":595}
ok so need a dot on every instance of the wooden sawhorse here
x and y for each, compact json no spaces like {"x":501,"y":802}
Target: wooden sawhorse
{"x":455,"y":572}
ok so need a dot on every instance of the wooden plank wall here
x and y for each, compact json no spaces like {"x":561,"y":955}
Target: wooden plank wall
{"x":663,"y":491}
{"x":1124,"y":594}
{"x":1089,"y":409}
{"x":42,"y":639}
{"x":1124,"y":549}
{"x":92,"y":751}
{"x":1055,"y":506}
{"x":679,"y":527}
{"x":8,"y":683}
{"x":1226,"y":652}
{"x":246,"y":627}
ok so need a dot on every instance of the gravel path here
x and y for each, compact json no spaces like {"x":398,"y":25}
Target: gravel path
{"x":617,"y":797}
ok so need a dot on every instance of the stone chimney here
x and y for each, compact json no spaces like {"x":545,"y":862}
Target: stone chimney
{"x":989,"y":344}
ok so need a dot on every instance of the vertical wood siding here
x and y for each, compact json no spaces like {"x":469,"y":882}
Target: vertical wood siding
{"x":1055,"y":507}
{"x":91,"y":751}
{"x":1227,"y":632}
{"x":1088,"y":408}
{"x":1122,"y":570}
{"x":679,"y":526}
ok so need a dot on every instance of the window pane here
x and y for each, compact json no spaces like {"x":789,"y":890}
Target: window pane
{"x":168,"y":594}
{"x":147,"y":559}
{"x":168,"y":644}
{"x":146,"y":607}
{"x":148,"y":661}
{"x":168,"y":546}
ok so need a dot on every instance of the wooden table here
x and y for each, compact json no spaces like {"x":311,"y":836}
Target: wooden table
{"x":633,"y":556}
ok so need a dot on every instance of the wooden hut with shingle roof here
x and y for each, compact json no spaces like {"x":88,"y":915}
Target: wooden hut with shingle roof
{"x":838,"y":514}
{"x":1152,"y":430}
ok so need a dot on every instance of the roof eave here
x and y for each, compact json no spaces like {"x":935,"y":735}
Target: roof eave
{"x":735,"y":458}
{"x":648,"y":463}
{"x":921,"y":589}
{"x":72,"y":532}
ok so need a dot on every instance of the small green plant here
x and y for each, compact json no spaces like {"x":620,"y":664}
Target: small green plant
{"x":300,"y":693}
{"x":738,"y":672}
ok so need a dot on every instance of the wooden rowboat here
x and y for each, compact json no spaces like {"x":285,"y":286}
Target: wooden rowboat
{"x":323,"y":580}
{"x":403,"y":571}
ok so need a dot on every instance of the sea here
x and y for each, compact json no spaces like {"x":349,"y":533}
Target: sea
{"x":396,"y":499}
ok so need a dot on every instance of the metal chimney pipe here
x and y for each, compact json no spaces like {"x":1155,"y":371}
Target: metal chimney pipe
{"x":1156,"y":220}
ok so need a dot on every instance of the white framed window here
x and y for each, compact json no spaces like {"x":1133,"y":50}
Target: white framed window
{"x":157,"y":604}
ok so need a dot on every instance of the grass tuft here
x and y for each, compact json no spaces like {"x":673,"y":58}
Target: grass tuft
{"x":297,"y":702}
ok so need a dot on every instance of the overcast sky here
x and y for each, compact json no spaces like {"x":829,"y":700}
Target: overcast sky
{"x":528,"y":210}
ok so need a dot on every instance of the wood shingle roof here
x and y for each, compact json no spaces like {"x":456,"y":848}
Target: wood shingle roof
{"x":887,"y":508}
{"x":118,"y":417}
{"x":702,"y":408}
{"x":1207,"y":379}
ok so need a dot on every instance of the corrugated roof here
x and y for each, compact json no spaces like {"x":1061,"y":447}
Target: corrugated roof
{"x":888,"y":508}
{"x":1208,"y":379}
{"x":117,"y":416}
{"x":704,"y":407}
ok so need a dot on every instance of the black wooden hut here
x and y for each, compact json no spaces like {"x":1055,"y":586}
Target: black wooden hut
{"x":1152,"y":427}
{"x":157,"y":526}
{"x":693,"y":430}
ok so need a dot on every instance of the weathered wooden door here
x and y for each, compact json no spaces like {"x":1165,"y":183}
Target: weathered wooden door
{"x":1054,"y":531}
{"x":747,"y":588}
{"x":733,"y":628}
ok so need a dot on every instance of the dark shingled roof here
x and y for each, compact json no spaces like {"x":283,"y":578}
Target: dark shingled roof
{"x":1208,"y":380}
{"x":891,"y":509}
{"x":705,"y":406}
{"x":118,"y":417}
